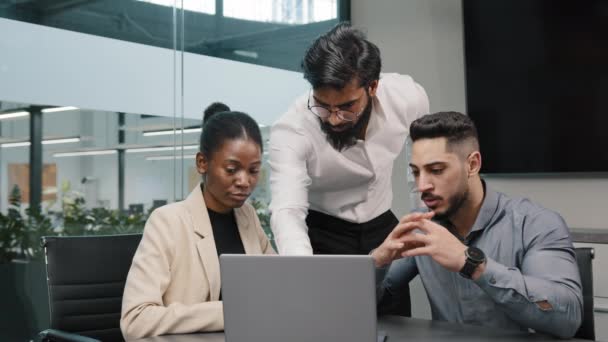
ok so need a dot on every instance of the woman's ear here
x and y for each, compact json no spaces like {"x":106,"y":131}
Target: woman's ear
{"x":474,"y":163}
{"x":202,"y":163}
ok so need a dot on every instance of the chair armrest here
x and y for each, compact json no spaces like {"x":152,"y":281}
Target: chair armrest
{"x":52,"y":335}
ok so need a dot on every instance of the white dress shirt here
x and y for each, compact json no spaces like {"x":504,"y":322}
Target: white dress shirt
{"x":354,"y":184}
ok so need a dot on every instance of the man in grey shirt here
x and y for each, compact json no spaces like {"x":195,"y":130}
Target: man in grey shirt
{"x":483,"y":258}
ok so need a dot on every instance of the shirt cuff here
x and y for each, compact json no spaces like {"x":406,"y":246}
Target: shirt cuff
{"x":295,"y":250}
{"x":497,"y":278}
{"x":293,"y":245}
{"x":380,"y":274}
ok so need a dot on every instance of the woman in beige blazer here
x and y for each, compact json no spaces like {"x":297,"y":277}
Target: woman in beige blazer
{"x":173,"y":285}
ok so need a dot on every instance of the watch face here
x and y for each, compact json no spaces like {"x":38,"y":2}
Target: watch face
{"x":476,"y":254}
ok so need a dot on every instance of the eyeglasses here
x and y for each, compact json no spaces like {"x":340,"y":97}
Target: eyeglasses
{"x":324,"y":112}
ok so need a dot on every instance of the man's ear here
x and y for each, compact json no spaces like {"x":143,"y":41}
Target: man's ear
{"x":373,"y":87}
{"x":474,"y":163}
{"x":202,"y":163}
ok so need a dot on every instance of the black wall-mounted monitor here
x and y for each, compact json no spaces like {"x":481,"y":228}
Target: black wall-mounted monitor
{"x":537,"y":84}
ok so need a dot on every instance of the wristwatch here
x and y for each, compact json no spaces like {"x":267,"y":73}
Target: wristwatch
{"x":475,"y":257}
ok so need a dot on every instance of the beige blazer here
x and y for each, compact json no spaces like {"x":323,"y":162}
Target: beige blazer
{"x":173,"y":285}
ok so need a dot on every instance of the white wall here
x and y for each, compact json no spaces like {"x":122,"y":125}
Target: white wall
{"x":44,"y":65}
{"x":424,"y":38}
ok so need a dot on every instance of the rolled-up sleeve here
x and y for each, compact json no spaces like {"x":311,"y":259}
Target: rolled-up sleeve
{"x":548,"y":272}
{"x":289,"y":182}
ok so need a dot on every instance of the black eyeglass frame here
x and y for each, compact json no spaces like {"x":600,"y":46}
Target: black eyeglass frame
{"x":338,"y":112}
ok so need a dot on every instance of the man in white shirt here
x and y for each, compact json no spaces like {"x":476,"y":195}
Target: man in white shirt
{"x":332,"y":152}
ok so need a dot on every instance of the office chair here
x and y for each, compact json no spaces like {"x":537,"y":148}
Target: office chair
{"x":584,"y":258}
{"x":86,"y":277}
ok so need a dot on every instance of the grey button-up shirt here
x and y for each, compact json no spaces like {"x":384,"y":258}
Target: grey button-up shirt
{"x":530,"y":258}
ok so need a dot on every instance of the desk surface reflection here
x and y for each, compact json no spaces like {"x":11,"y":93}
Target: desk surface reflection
{"x":402,"y":329}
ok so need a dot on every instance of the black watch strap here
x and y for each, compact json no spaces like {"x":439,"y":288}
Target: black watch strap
{"x":474,"y":258}
{"x":468,"y":269}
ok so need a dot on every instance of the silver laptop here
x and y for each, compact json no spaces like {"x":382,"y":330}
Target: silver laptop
{"x":270,"y":298}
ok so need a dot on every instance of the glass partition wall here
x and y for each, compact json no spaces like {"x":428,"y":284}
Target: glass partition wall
{"x":100,"y":114}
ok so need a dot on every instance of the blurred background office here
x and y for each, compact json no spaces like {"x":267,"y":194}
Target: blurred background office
{"x":101,"y":104}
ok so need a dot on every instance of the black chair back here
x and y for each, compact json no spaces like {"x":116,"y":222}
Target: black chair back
{"x":86,"y":277}
{"x":584,"y":258}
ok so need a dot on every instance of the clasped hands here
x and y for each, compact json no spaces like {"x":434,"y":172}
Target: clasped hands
{"x":417,"y":235}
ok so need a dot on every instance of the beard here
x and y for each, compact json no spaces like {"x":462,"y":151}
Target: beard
{"x":455,"y":202}
{"x":348,"y":137}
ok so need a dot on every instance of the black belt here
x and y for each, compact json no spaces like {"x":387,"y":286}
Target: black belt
{"x":321,"y":220}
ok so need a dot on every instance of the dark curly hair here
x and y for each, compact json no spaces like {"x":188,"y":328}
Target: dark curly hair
{"x":339,"y":56}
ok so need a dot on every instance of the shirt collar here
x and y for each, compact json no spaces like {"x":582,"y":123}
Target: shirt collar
{"x":378,"y":116}
{"x":488,"y":208}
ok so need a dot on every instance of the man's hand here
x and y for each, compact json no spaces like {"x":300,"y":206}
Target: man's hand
{"x":392,"y":248}
{"x":435,"y":241}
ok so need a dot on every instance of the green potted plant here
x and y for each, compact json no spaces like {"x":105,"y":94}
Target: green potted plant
{"x":23,"y":285}
{"x":11,"y":228}
{"x":76,"y":219}
{"x":261,"y":209}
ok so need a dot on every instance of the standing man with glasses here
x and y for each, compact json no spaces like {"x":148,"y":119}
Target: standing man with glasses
{"x":332,"y":153}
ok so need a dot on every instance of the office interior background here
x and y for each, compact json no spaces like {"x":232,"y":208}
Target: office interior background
{"x":101,"y":105}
